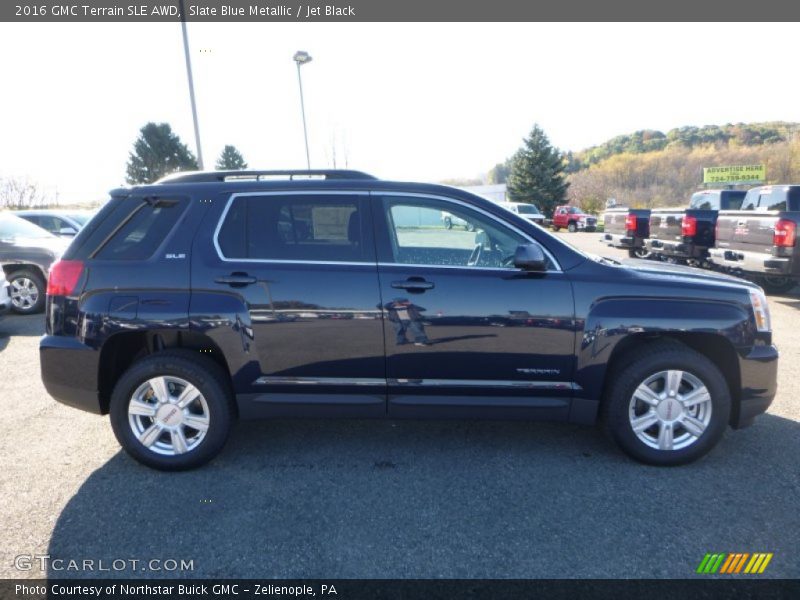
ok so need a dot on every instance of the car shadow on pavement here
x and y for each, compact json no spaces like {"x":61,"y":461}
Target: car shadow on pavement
{"x":12,"y":324}
{"x":352,"y":499}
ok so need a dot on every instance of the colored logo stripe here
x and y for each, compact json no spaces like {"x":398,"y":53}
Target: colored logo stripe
{"x":734,"y":562}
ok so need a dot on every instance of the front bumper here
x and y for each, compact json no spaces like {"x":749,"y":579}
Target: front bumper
{"x":759,"y":383}
{"x":751,"y":262}
{"x":69,"y":372}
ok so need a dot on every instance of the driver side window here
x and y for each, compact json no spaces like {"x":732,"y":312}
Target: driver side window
{"x":439,"y":233}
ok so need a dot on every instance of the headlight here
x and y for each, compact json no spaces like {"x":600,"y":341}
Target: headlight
{"x":760,"y":310}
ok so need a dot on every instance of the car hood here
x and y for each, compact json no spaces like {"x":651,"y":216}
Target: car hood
{"x":662,"y":269}
{"x":55,"y":245}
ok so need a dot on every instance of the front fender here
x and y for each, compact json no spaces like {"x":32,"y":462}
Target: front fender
{"x":610,"y":321}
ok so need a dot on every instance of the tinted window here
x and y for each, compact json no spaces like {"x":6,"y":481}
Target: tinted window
{"x":303,"y":227}
{"x":147,"y":226}
{"x":731,"y":200}
{"x":773,"y":201}
{"x":434,"y":232}
{"x":527,"y":209}
{"x":704,"y":201}
{"x":750,"y":200}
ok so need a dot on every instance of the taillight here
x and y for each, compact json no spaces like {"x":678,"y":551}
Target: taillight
{"x":689,"y":226}
{"x":630,"y":223}
{"x":63,"y":278}
{"x":785,"y":234}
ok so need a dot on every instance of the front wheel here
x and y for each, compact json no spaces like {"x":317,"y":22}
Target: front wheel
{"x":172,"y":410}
{"x":777,"y":285}
{"x":668,"y":407}
{"x":572,"y":228}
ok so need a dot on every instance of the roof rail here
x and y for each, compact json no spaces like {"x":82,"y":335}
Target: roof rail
{"x":222,"y":176}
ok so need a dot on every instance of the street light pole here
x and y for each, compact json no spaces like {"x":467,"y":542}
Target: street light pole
{"x":191,"y":87}
{"x":302,"y":58}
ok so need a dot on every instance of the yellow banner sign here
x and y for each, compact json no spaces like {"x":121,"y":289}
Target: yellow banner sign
{"x":735,"y":174}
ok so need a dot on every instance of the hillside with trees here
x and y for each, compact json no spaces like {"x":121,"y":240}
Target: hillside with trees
{"x":650,"y":168}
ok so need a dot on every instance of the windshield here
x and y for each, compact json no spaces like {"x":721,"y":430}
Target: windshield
{"x":12,"y":227}
{"x":574,"y":210}
{"x":80,"y":218}
{"x":527,"y":209}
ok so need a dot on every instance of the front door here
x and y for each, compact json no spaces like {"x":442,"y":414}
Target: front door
{"x":466,"y":332}
{"x":304,"y":266}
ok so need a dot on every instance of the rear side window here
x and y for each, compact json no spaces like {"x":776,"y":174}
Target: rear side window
{"x":705,"y":201}
{"x":143,"y":231}
{"x":775,"y":200}
{"x":324,"y":228}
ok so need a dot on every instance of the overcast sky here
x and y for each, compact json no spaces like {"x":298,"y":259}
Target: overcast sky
{"x":404,"y":101}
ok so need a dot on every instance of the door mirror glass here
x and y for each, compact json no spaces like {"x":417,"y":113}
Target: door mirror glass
{"x":530,"y":257}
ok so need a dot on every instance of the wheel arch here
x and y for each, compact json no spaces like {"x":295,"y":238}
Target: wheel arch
{"x":123,"y":349}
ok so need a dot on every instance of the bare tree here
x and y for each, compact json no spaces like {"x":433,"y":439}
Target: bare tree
{"x":18,"y":193}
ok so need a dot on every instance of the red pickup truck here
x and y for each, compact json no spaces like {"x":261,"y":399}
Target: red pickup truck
{"x":573,"y":219}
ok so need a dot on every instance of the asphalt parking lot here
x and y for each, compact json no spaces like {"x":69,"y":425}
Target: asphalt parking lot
{"x":385,"y":499}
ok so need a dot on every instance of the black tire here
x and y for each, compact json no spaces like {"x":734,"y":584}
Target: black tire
{"x":28,"y":277}
{"x":209,"y":379}
{"x":657,"y":357}
{"x":556,"y":228}
{"x":448,"y":223}
{"x":572,"y":228}
{"x":640,"y":252}
{"x":777,"y":285}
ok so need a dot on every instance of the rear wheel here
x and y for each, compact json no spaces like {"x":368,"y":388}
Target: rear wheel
{"x":668,"y":407}
{"x":640,"y":252}
{"x":777,"y":285}
{"x":172,"y":410}
{"x":27,"y":289}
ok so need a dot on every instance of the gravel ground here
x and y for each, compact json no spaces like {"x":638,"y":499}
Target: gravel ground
{"x":393,"y":499}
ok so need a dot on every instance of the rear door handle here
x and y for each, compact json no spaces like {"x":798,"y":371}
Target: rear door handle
{"x":236,"y":279}
{"x":413,"y":283}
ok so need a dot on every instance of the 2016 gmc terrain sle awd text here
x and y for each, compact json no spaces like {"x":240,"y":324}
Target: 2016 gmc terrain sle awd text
{"x":209,"y":296}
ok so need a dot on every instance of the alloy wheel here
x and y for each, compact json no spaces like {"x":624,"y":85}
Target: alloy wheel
{"x":670,"y":410}
{"x":24,"y":293}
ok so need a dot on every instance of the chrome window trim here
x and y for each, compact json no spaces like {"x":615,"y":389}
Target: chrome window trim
{"x":480,"y":210}
{"x":235,"y":195}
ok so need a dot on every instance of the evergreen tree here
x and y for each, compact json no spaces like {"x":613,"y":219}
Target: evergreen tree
{"x":537,"y":173}
{"x":230,"y":160}
{"x":158,"y":152}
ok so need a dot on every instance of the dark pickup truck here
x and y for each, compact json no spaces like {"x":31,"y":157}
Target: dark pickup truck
{"x":685,"y":236}
{"x":758,"y":241}
{"x":627,"y":228}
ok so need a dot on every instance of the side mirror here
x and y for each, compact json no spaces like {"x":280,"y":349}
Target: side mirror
{"x":67,"y":231}
{"x":530,"y":257}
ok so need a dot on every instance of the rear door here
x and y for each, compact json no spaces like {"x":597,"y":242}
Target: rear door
{"x":466,"y":332}
{"x":291,"y":285}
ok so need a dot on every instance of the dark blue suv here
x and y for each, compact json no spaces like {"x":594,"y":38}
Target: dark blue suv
{"x":209,"y":296}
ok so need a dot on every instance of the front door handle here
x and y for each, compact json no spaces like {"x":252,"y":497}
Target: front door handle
{"x":236,"y":279}
{"x":413,"y":284}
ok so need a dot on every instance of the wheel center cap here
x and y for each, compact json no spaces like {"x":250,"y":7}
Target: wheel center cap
{"x":669,"y":409}
{"x":169,"y":415}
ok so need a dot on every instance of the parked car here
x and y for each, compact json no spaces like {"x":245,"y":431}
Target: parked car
{"x":5,"y":294}
{"x":573,"y":219}
{"x":525,"y":210}
{"x":450,"y":220}
{"x":26,"y":253}
{"x":686,"y":236}
{"x":66,"y":223}
{"x":155,"y":313}
{"x":627,"y":229}
{"x":759,"y":241}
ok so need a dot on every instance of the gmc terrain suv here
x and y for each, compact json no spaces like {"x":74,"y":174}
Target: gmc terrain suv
{"x":210,"y":296}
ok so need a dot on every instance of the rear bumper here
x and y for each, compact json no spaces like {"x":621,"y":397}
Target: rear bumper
{"x":759,"y":381}
{"x":676,"y":249}
{"x":751,"y":262}
{"x":617,"y":240}
{"x":69,"y":372}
